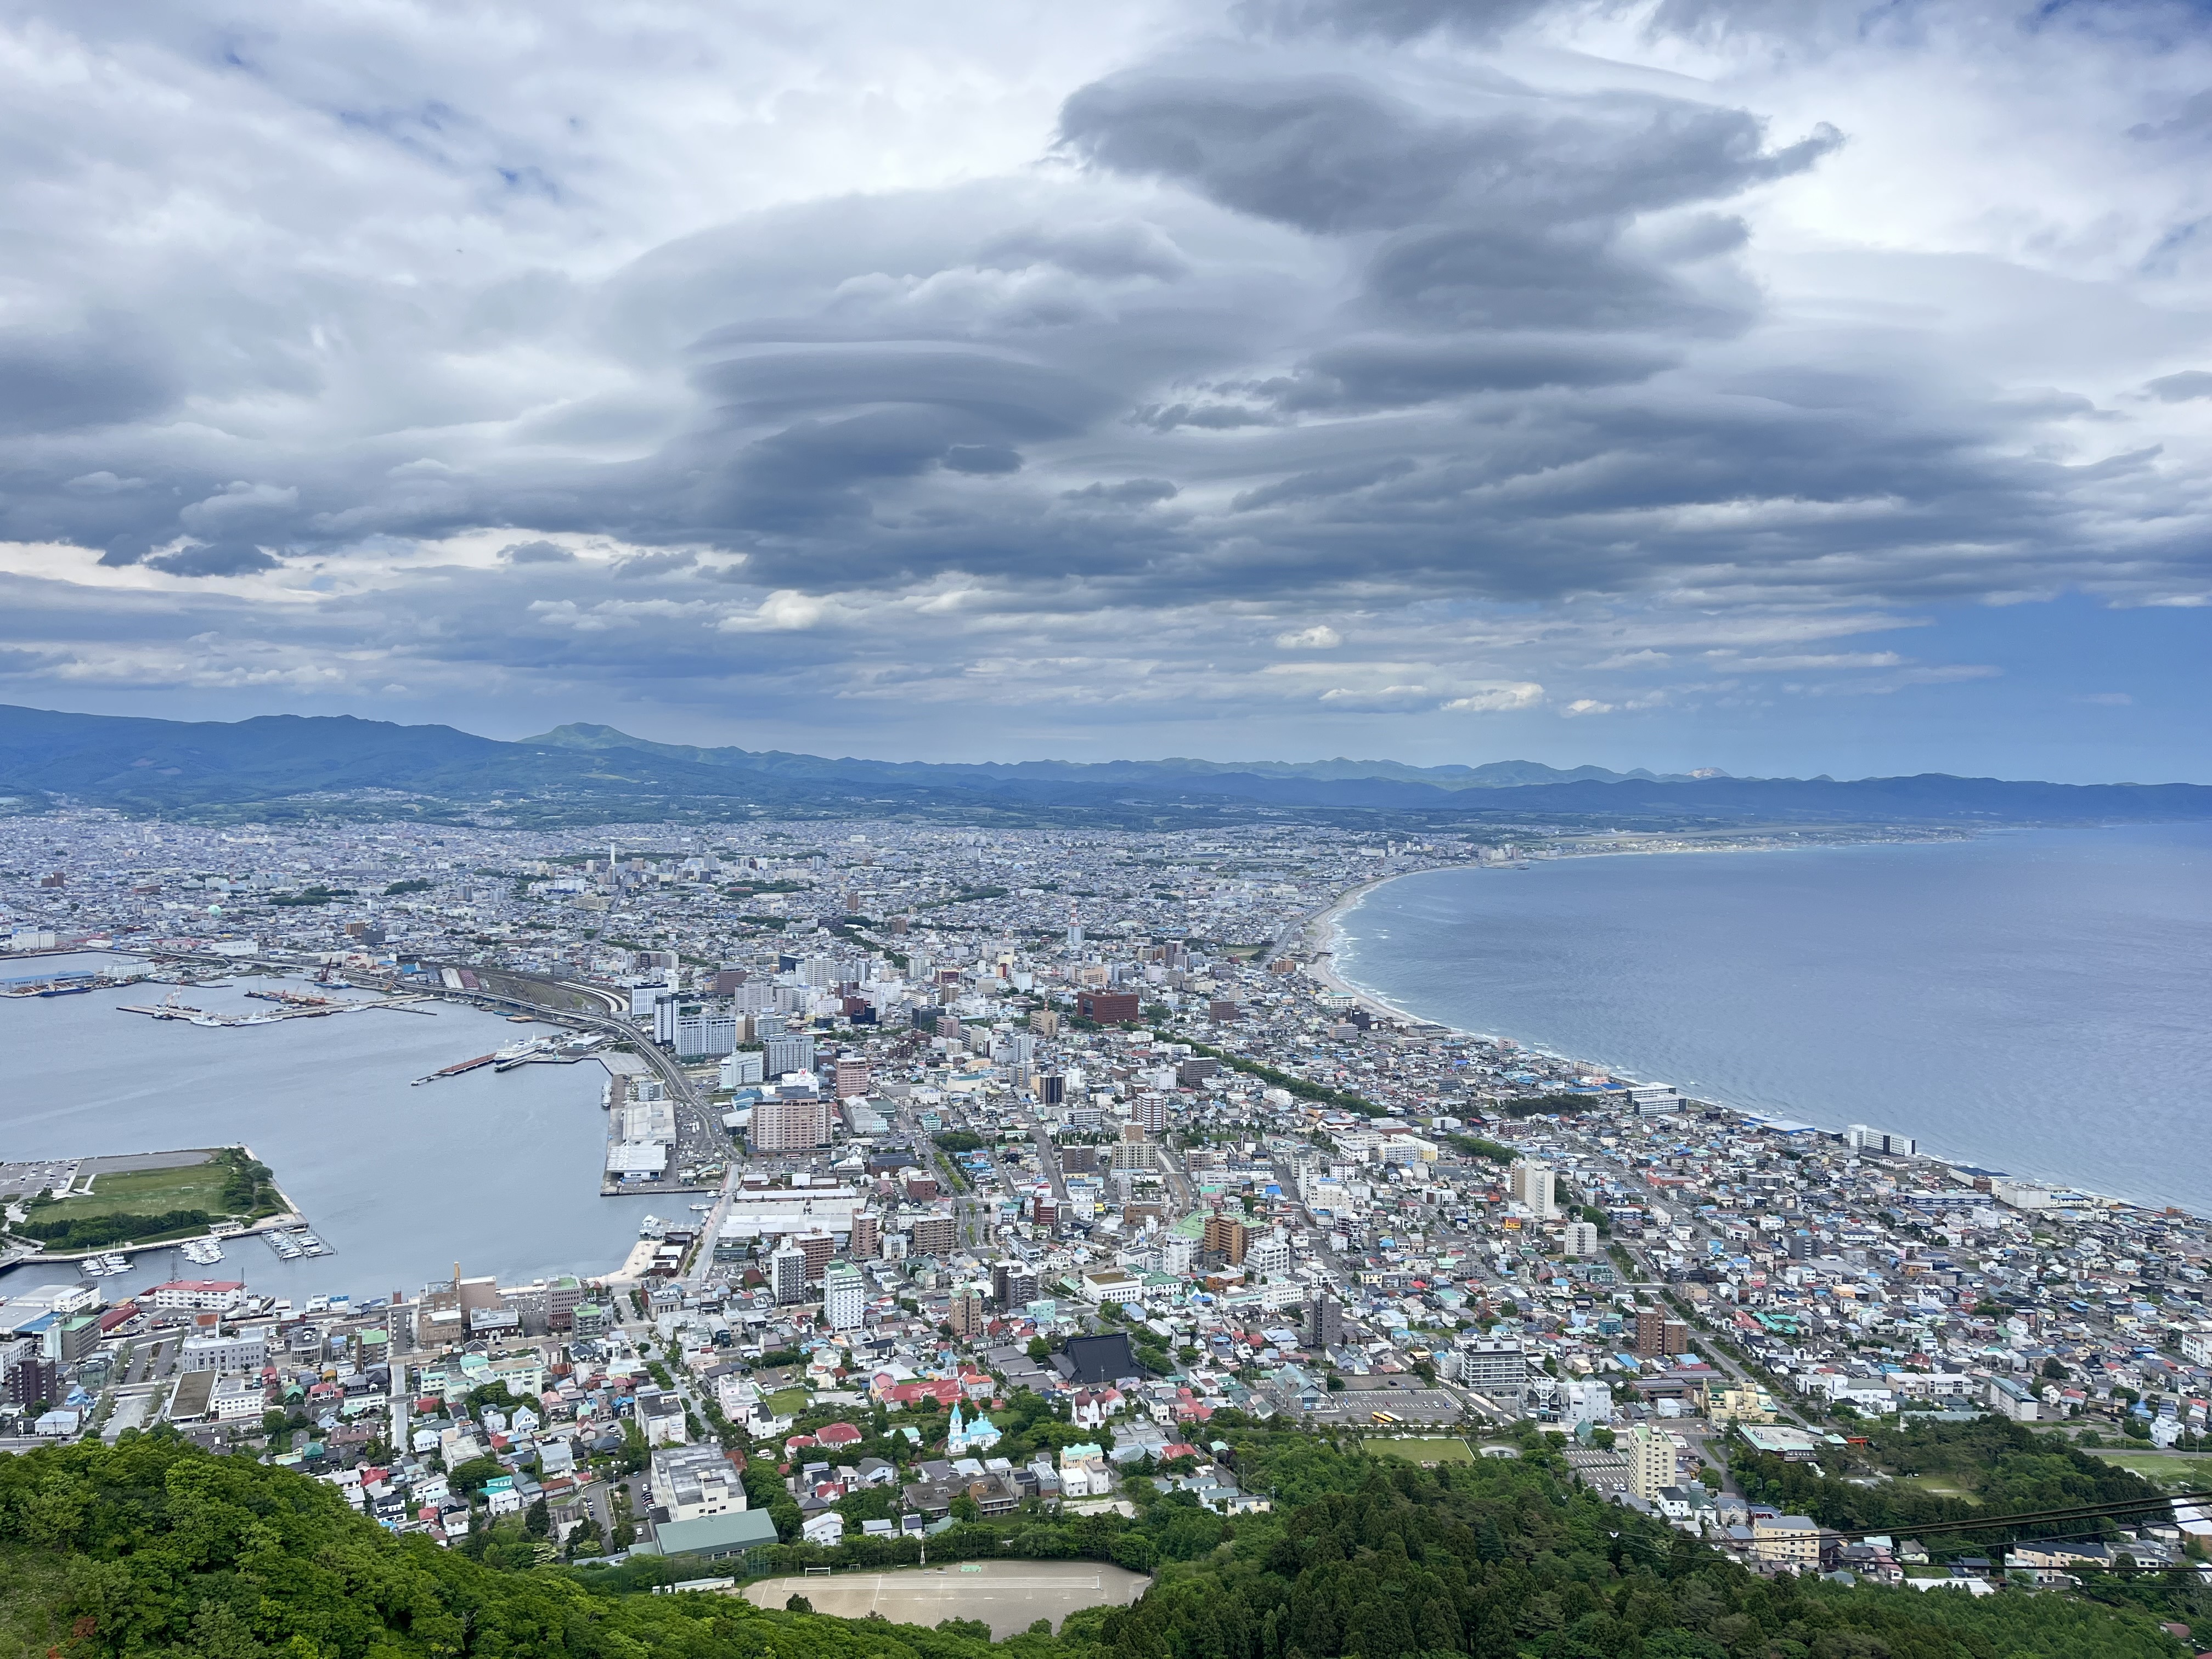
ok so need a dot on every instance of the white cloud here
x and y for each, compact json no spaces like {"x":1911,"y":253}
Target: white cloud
{"x":1319,"y":637}
{"x":1496,"y":699}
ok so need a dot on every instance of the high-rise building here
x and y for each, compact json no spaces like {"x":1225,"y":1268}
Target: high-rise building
{"x":1150,"y":1114}
{"x":867,"y":1236}
{"x":934,"y":1234}
{"x":1227,"y":1235}
{"x":965,"y":1313}
{"x":1496,"y":1368}
{"x":1108,"y":1008}
{"x":1860,"y":1139}
{"x":789,"y":1051}
{"x":790,"y":1126}
{"x":1324,"y":1322}
{"x":1650,"y":1452}
{"x":787,"y":1274}
{"x":1534,"y":1187}
{"x":818,"y":1249}
{"x":1013,"y":1284}
{"x":1267,"y":1254}
{"x":844,"y":1297}
{"x":1657,"y":1335}
{"x":1580,"y":1240}
{"x":1051,"y":1089}
{"x":853,"y":1076}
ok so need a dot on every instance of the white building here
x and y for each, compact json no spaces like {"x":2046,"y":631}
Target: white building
{"x":1112,"y":1284}
{"x":1651,"y":1453}
{"x":199,"y":1295}
{"x":844,"y":1297}
{"x":1535,"y":1186}
{"x":692,"y":1481}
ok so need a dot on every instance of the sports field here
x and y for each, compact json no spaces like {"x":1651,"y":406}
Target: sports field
{"x":148,"y":1191}
{"x":1415,"y":1450}
{"x":1008,"y":1595}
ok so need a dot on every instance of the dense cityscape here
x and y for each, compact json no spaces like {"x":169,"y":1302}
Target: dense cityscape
{"x":997,"y":1165}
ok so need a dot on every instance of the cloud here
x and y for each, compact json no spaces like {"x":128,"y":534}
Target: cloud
{"x":1130,"y":492}
{"x":957,"y":364}
{"x":1496,"y":699}
{"x":982,"y":459}
{"x":1582,"y":705}
{"x":2190,"y":384}
{"x":215,"y":559}
{"x":537,"y":552}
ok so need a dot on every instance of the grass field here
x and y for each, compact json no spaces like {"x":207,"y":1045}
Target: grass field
{"x":2195,"y":1472}
{"x":788,"y":1402}
{"x":1415,"y":1450}
{"x":148,"y":1191}
{"x":1007,"y":1596}
{"x":1937,"y":1487}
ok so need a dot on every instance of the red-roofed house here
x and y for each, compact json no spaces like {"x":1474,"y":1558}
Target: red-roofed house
{"x":838,"y":1435}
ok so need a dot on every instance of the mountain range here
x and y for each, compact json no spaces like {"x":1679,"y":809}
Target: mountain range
{"x":289,"y":766}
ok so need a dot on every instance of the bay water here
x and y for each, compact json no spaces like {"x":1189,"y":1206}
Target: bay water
{"x":498,"y":1171}
{"x":2038,"y":1002}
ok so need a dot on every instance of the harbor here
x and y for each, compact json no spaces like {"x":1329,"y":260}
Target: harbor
{"x":291,"y":1004}
{"x":504,"y":1168}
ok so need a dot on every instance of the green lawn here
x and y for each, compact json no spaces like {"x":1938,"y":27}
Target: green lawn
{"x":1938,"y":1486}
{"x":1417,"y":1450}
{"x":2157,"y":1466}
{"x":788,"y":1402}
{"x":148,"y":1191}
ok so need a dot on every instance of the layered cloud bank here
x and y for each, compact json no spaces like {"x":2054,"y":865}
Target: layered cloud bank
{"x":1398,"y":373}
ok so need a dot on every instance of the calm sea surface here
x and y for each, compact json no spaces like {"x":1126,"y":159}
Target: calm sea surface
{"x":500,"y":1172}
{"x":2038,"y":1002}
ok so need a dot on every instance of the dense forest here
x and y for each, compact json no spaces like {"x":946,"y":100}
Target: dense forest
{"x":153,"y":1547}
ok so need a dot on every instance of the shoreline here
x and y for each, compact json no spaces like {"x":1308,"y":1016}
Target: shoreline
{"x":1323,"y":934}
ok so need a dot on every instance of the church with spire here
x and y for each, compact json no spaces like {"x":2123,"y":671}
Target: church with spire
{"x":962,"y":1438}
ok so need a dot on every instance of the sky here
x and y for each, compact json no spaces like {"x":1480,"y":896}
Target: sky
{"x":1778,"y":385}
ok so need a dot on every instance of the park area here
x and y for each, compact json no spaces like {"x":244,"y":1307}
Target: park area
{"x":1007,"y":1596}
{"x":145,"y":1196}
{"x":1417,"y":1449}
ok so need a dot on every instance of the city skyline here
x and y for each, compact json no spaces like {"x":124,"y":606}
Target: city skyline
{"x":1677,"y":386}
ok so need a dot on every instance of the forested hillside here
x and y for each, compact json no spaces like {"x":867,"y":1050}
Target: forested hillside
{"x":153,"y":1547}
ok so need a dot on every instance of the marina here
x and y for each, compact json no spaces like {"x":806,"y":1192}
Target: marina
{"x":502,"y":1168}
{"x":291,"y":1004}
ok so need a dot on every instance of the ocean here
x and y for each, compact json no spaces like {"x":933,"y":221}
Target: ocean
{"x":2038,"y":1002}
{"x":500,"y":1171}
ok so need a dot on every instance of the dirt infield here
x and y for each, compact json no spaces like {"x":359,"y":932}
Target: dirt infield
{"x":1008,"y":1595}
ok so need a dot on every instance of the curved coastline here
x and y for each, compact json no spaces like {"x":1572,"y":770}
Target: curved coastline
{"x":1325,"y":938}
